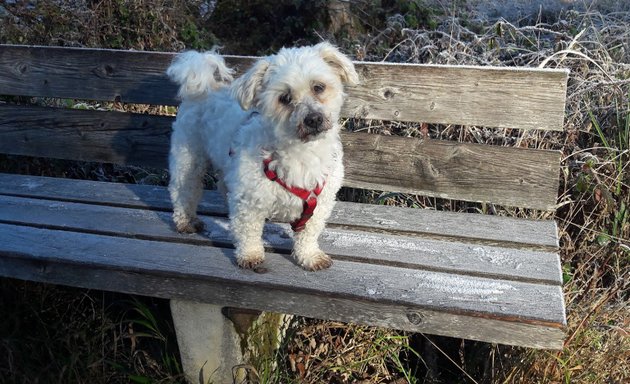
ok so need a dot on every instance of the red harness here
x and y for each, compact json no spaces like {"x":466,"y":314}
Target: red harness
{"x":308,"y":197}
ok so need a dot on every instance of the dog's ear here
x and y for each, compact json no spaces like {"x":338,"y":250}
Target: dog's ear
{"x":340,"y":63}
{"x":246,"y":87}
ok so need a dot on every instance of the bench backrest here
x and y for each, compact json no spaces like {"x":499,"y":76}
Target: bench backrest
{"x":475,"y":96}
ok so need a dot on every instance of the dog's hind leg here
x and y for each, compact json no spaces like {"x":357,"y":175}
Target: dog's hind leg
{"x":187,"y":165}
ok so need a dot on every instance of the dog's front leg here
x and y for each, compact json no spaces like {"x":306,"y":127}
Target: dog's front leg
{"x":247,"y":228}
{"x":305,"y":247}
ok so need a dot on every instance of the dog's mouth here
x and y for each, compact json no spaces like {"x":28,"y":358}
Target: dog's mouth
{"x":313,"y":126}
{"x":309,"y":134}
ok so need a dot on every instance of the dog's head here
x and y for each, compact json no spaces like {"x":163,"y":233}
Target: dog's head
{"x":299,"y":89}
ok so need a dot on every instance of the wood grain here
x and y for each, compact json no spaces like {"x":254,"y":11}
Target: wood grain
{"x":464,"y":227}
{"x":366,"y":247}
{"x":92,"y":74}
{"x":461,"y":171}
{"x":111,"y":137}
{"x":471,"y":307}
{"x":488,"y":96}
{"x":526,"y":98}
{"x":511,"y":176}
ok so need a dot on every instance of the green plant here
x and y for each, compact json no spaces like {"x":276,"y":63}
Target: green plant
{"x":195,"y":37}
{"x":143,"y":324}
{"x":254,"y":27}
{"x":398,"y":350}
{"x":617,"y":147}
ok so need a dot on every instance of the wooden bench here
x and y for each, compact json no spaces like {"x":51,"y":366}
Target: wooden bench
{"x":476,"y":276}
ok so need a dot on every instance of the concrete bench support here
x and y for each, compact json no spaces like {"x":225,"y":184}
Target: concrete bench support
{"x":224,"y":345}
{"x":208,"y":343}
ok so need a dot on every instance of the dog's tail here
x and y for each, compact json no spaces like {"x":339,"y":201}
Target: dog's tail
{"x":198,"y":73}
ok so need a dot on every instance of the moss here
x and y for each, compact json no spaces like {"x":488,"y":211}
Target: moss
{"x":262,"y":342}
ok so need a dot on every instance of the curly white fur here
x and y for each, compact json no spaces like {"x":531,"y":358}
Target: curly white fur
{"x":195,"y":73}
{"x":286,"y":107}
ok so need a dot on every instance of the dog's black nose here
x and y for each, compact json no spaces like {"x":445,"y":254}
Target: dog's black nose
{"x":314,"y":120}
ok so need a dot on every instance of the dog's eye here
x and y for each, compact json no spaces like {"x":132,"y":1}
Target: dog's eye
{"x":319,"y":88}
{"x":285,"y":99}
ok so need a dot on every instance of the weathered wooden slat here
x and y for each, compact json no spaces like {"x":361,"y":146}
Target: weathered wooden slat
{"x":488,"y":96}
{"x":404,"y":251}
{"x":477,"y":308}
{"x":462,"y":171}
{"x":469,"y":227}
{"x":466,"y":227}
{"x":113,"y":137}
{"x":376,"y":314}
{"x":92,"y":74}
{"x":511,"y":176}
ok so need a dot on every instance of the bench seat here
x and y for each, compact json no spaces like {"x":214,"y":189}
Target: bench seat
{"x":480,"y":277}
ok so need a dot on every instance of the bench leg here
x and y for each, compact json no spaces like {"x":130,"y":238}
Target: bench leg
{"x":208,"y":343}
{"x":220,"y":345}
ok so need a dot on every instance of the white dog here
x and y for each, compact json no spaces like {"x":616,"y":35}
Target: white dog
{"x":273,"y":135}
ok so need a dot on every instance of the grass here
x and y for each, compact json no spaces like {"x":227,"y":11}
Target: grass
{"x":333,"y":352}
{"x":55,"y":334}
{"x":59,"y":334}
{"x":144,"y":324}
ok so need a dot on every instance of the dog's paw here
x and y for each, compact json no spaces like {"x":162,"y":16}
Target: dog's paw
{"x":250,"y":260}
{"x":189,"y":226}
{"x":315,"y":262}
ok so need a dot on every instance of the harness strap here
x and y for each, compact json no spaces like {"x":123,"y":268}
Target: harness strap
{"x":308,"y":197}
